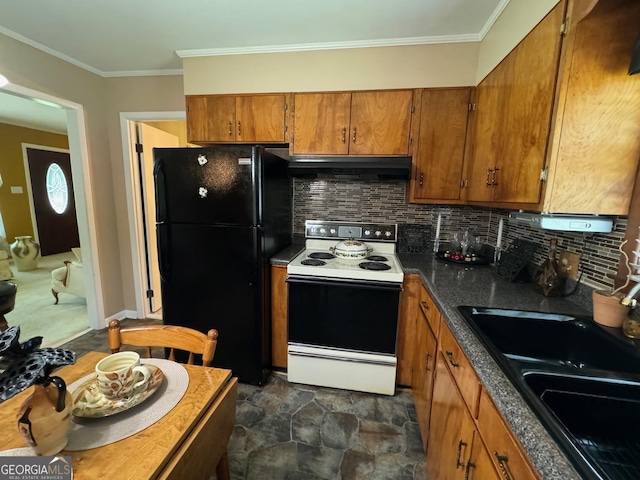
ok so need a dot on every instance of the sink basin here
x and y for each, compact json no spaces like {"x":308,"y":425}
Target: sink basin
{"x":560,"y":340}
{"x":597,"y":416}
{"x":580,"y":380}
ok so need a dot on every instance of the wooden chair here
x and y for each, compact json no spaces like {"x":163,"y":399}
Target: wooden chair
{"x":165,"y":336}
{"x":175,"y":338}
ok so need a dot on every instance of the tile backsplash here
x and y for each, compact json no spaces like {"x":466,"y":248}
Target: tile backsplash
{"x":385,"y":201}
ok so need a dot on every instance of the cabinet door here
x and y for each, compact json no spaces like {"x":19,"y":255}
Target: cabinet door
{"x":530,"y":94}
{"x":210,"y":118}
{"x":278,"y":316}
{"x":441,"y":144}
{"x":321,"y":123}
{"x":260,"y":118}
{"x":422,"y":380}
{"x":406,"y":343}
{"x":380,"y":122}
{"x":489,"y":126}
{"x":479,"y":466}
{"x":451,"y":430}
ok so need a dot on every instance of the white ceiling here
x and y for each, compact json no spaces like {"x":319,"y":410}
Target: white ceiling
{"x":124,"y":38}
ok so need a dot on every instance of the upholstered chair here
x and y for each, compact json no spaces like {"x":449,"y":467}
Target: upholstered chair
{"x":70,"y":278}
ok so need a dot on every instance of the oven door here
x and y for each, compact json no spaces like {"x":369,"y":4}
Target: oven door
{"x":344,"y":314}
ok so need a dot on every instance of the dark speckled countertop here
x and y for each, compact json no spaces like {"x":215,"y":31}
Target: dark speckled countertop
{"x":453,"y":285}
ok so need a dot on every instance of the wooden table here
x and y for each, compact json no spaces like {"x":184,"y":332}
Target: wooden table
{"x":189,"y":442}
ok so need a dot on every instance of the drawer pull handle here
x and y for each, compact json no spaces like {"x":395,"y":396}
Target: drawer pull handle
{"x":451,"y":360}
{"x":354,"y":134}
{"x":425,"y":305}
{"x":344,"y":135}
{"x":503,"y":462}
{"x":230,"y":132}
{"x":458,"y":462}
{"x":239,"y":130}
{"x":426,"y":362}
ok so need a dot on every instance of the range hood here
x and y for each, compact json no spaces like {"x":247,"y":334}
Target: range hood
{"x":563,"y":222}
{"x":381,"y":168}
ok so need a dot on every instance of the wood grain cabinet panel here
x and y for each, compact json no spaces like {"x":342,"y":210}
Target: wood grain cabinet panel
{"x":236,"y":118}
{"x":461,"y":369}
{"x":278,"y":316}
{"x":439,"y":144}
{"x":321,"y":123}
{"x":380,"y":122}
{"x":430,"y":311}
{"x":506,"y":454}
{"x":513,"y":111}
{"x":407,"y":321}
{"x":422,"y":375}
{"x":353,"y":123}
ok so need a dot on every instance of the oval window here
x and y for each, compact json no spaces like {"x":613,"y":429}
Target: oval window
{"x":57,"y":188}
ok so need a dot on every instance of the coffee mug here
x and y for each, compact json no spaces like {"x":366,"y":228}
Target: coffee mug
{"x":120,"y":374}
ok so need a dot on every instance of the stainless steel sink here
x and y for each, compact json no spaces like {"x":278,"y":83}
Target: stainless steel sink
{"x":581,"y":381}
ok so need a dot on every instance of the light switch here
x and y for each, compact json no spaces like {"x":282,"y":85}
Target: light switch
{"x":17,"y":189}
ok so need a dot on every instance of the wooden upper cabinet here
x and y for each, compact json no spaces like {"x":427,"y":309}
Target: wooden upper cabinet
{"x":380,"y":122}
{"x":595,"y":143}
{"x":513,"y":111}
{"x":260,"y":118}
{"x":231,"y":118}
{"x":439,"y":149}
{"x":353,"y":123}
{"x":321,"y":123}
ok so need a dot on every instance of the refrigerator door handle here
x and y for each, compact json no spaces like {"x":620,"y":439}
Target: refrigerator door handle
{"x":164,"y":247}
{"x":158,"y":173}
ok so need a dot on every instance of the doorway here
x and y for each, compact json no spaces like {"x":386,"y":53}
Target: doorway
{"x":79,"y":157}
{"x":141,"y":199}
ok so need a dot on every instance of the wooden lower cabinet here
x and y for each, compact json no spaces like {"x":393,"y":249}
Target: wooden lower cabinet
{"x":422,"y":375}
{"x":463,"y":432}
{"x":455,"y":448}
{"x":278,"y":316}
{"x":406,"y":343}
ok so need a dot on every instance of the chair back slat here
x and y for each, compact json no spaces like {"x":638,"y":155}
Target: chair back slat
{"x":167,"y":336}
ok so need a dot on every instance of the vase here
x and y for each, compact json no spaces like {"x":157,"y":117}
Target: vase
{"x":45,"y":416}
{"x":607,"y":309}
{"x":25,"y":252}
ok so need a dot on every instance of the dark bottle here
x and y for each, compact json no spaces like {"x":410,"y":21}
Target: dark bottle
{"x":548,"y":280}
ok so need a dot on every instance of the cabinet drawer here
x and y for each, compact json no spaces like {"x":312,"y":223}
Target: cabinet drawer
{"x":461,"y":369}
{"x":505,"y":452}
{"x":430,"y":311}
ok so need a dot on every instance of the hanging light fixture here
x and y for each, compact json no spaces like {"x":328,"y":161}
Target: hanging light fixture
{"x":634,"y":67}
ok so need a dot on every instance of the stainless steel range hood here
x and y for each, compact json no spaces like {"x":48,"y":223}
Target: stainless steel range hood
{"x":563,"y":222}
{"x":381,"y":168}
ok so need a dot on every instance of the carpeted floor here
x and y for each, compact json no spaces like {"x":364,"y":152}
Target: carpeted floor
{"x":35,"y":311}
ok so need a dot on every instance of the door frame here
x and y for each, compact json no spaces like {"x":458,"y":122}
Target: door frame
{"x":128,"y":122}
{"x":27,"y":172}
{"x":87,"y":228}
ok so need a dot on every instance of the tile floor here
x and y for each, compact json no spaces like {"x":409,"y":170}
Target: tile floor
{"x":287,"y":431}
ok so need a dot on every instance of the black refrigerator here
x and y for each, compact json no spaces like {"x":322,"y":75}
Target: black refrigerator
{"x":221,"y":213}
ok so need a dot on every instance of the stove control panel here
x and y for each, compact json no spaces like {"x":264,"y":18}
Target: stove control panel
{"x":359,"y":231}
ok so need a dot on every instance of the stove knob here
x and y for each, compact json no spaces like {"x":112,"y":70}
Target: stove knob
{"x":323,"y":231}
{"x":367,"y":232}
{"x":332,"y":231}
{"x":378,"y":233}
{"x":387,"y":234}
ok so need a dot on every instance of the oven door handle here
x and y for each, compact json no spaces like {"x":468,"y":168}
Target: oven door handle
{"x":364,"y":284}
